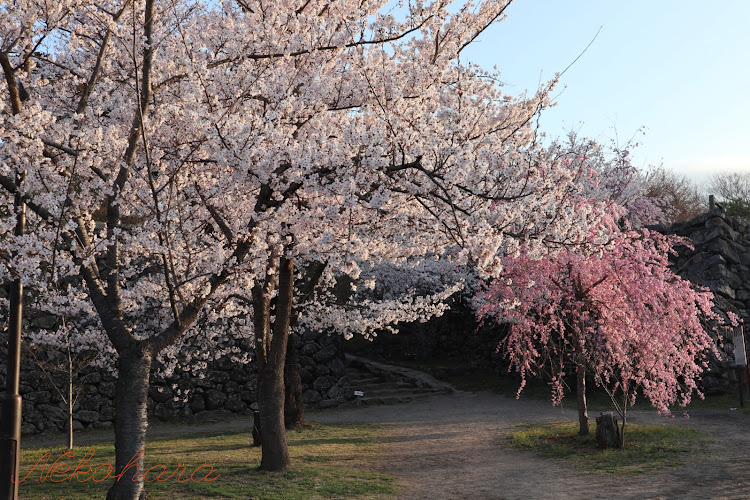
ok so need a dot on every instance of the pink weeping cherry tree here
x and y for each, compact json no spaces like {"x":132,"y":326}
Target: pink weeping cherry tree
{"x":612,"y":309}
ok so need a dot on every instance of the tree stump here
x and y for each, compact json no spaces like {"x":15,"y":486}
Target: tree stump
{"x":607,"y":431}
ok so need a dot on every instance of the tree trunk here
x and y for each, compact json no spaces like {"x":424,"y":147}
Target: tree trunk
{"x":70,"y":400}
{"x":583,"y":416}
{"x":294,"y":409}
{"x":257,"y":440}
{"x":275,"y":454}
{"x":130,"y":424}
{"x":70,"y":412}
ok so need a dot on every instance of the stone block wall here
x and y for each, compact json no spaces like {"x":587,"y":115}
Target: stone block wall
{"x":720,"y":261}
{"x":226,"y":388}
{"x":321,"y":367}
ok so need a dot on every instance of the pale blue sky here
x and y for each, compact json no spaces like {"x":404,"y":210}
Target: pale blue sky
{"x":678,"y":68}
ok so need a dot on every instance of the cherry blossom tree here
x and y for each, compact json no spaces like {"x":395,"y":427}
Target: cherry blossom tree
{"x":614,"y":310}
{"x":616,"y":179}
{"x":179,"y":154}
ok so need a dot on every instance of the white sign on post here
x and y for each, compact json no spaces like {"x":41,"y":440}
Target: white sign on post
{"x":739,"y":346}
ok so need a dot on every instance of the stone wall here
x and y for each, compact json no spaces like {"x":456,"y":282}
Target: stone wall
{"x":226,"y":388}
{"x":720,"y":260}
{"x":321,"y":368}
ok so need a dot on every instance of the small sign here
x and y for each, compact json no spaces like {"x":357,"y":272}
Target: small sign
{"x":739,"y":346}
{"x":359,"y":393}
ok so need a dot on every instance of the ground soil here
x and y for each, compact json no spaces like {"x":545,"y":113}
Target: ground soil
{"x":455,"y":446}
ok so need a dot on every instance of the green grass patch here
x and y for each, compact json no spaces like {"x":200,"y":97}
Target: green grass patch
{"x":648,"y":448}
{"x":328,"y":461}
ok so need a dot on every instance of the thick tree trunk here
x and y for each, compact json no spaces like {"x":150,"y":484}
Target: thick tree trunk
{"x":583,"y":416}
{"x":294,"y":409}
{"x":130,"y":425}
{"x":275,"y":454}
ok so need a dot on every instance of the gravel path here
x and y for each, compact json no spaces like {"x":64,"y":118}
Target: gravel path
{"x":455,"y":447}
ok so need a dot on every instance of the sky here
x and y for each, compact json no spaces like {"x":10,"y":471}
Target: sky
{"x":676,"y":70}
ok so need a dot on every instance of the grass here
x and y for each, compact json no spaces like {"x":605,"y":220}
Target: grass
{"x":331,"y":461}
{"x":647,"y":448}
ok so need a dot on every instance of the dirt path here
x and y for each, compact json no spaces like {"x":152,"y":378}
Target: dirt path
{"x":455,"y":447}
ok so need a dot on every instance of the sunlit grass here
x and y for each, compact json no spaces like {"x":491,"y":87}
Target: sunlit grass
{"x":328,"y":461}
{"x":647,"y":448}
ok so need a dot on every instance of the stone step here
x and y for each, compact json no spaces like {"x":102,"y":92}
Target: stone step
{"x":382,"y":386}
{"x":354,"y":380}
{"x":386,"y":384}
{"x":392,"y":400}
{"x":379,"y":393}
